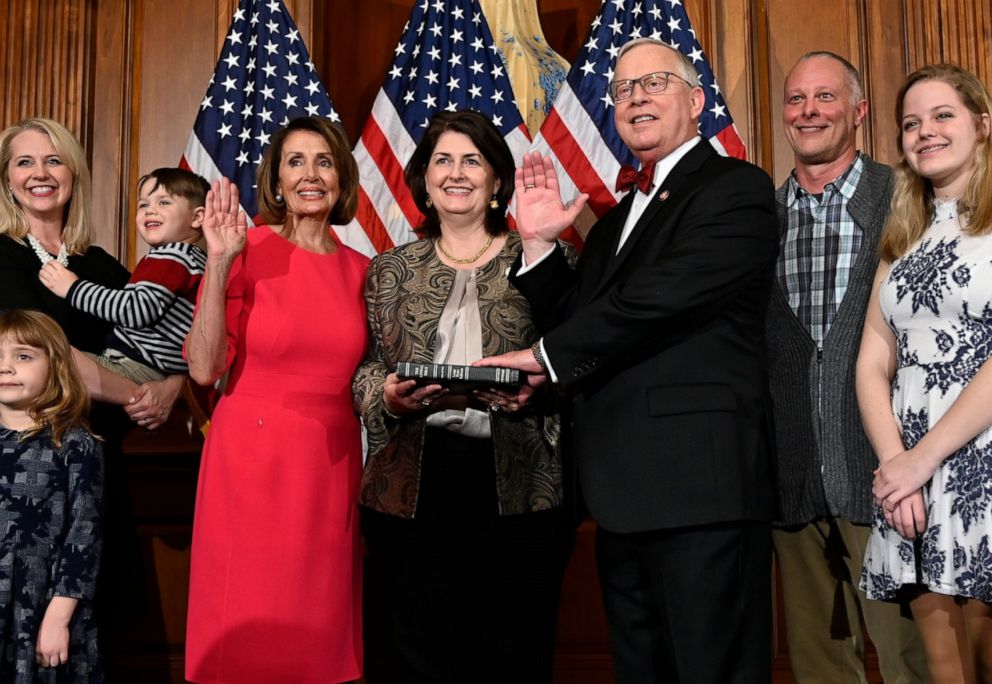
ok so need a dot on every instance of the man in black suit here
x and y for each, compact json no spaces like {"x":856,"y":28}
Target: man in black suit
{"x":658,"y":336}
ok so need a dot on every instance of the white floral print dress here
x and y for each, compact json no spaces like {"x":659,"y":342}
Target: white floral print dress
{"x":938,"y":302}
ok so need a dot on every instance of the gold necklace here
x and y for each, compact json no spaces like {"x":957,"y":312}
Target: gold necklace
{"x":471,"y":259}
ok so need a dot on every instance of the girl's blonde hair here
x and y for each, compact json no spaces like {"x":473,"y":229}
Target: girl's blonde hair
{"x":64,"y":402}
{"x":77,"y":229}
{"x":912,"y":198}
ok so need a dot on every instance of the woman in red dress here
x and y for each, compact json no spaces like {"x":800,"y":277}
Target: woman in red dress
{"x":275,"y":581}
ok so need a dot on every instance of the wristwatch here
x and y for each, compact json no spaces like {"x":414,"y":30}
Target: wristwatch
{"x":539,"y":356}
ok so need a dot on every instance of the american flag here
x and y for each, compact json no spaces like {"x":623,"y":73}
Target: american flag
{"x":579,"y":133}
{"x":263,"y":79}
{"x":445,"y":60}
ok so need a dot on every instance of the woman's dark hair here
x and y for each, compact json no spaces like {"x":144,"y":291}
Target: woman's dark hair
{"x":271,"y":207}
{"x":485,"y":136}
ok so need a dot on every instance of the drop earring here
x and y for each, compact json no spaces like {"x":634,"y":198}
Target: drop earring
{"x":428,"y":203}
{"x":494,"y":203}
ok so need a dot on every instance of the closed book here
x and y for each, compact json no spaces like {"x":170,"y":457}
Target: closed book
{"x":458,"y":379}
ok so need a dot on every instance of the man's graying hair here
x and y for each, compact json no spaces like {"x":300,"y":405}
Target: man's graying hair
{"x":689,"y":72}
{"x":854,"y":82}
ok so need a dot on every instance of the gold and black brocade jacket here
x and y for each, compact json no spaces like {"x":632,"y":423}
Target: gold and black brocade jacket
{"x":405,"y":291}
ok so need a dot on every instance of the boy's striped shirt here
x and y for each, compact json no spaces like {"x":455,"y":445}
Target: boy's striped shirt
{"x":154,"y":311}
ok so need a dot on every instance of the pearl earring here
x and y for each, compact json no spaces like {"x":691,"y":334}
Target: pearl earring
{"x":278,"y":198}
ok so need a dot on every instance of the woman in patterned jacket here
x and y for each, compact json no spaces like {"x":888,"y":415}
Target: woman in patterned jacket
{"x":462,"y":495}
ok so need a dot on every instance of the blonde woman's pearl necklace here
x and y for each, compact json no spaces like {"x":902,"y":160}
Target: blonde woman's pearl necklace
{"x":469,"y":260}
{"x":44,"y":256}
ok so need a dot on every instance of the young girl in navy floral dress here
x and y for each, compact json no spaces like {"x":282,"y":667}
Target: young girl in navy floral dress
{"x":50,"y":488}
{"x":924,"y":376}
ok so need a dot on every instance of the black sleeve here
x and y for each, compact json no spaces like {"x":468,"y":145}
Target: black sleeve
{"x":20,"y":288}
{"x":19,"y":284}
{"x":726,"y":238}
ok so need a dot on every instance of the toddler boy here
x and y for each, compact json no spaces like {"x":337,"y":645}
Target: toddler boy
{"x":154,"y":312}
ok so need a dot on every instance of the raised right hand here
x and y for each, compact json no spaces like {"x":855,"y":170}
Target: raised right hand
{"x":225,"y":225}
{"x":541,"y":214}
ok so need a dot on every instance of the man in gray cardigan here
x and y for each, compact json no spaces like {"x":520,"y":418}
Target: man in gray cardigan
{"x":831,"y":210}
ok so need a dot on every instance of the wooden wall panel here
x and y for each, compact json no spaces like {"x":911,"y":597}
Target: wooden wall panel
{"x":729,"y":48}
{"x":150,"y":638}
{"x":111,"y":104}
{"x":352,"y":51}
{"x":566,"y":24}
{"x":792,"y":29}
{"x":882,"y":69}
{"x":44,"y":61}
{"x":162,"y":115}
{"x":958,"y":31}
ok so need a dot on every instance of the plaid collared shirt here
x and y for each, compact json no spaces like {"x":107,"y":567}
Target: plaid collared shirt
{"x":818,"y":250}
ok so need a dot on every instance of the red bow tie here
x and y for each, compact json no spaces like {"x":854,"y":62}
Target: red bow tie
{"x":628,"y":178}
{"x":643,"y":179}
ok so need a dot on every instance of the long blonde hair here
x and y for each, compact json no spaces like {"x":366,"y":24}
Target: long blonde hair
{"x":912,"y":198}
{"x":64,"y":402}
{"x":77,"y":228}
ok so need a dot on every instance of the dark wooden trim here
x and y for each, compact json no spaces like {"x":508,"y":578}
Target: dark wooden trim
{"x":761,"y":35}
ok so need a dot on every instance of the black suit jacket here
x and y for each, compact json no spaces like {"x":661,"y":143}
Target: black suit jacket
{"x":662,"y":348}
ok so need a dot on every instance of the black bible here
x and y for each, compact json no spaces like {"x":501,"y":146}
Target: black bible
{"x":459,"y":379}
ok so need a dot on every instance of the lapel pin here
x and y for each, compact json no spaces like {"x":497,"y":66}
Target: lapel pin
{"x":663,"y":196}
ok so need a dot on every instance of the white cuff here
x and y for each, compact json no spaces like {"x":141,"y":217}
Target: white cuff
{"x":524,"y":266}
{"x":547,"y":361}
